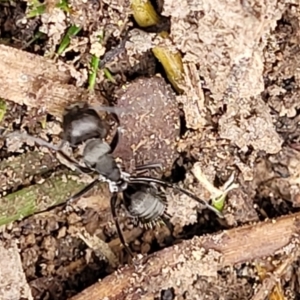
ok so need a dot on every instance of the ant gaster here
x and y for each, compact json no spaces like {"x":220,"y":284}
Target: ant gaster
{"x":142,"y":198}
{"x":145,"y":203}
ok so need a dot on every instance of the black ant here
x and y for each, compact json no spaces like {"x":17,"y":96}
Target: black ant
{"x":142,"y":198}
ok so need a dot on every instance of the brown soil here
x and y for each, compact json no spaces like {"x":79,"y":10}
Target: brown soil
{"x":237,"y":113}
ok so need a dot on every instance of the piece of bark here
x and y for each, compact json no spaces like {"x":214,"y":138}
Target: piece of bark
{"x":13,"y":284}
{"x":200,"y":256}
{"x":39,"y":82}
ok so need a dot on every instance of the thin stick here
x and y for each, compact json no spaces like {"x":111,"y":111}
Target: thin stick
{"x":195,"y":258}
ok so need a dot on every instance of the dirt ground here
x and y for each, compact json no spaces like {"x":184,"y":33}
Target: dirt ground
{"x":209,"y":90}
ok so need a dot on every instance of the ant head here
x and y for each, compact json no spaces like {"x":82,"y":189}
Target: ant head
{"x":81,"y":122}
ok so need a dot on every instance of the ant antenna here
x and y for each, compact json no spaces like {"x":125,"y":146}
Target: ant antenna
{"x":43,"y":143}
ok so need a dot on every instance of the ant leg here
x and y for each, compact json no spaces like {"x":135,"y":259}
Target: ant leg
{"x":149,"y":166}
{"x":80,"y":168}
{"x":179,"y":189}
{"x":82,"y":191}
{"x":43,"y":143}
{"x":113,"y":202}
{"x":114,"y":141}
{"x":62,"y":143}
{"x":44,"y":210}
{"x":141,"y":169}
{"x":68,"y":201}
{"x":25,"y":136}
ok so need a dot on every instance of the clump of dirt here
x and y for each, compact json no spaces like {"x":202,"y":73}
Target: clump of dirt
{"x":281,"y":73}
{"x":55,"y":261}
{"x":149,"y":105}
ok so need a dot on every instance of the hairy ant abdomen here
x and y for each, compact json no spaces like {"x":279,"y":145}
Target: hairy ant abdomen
{"x":146,"y":204}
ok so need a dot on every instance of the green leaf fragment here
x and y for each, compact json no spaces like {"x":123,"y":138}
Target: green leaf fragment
{"x":93,"y":73}
{"x":219,"y":202}
{"x":35,"y":8}
{"x":72,"y":31}
{"x":108,"y":75}
{"x":64,"y":5}
{"x":3,"y":108}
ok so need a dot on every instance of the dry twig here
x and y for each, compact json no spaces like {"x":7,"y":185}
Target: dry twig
{"x":201,"y":256}
{"x":39,"y":82}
